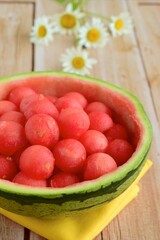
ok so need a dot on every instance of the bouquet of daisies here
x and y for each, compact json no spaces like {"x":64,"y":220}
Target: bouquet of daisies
{"x":92,"y":33}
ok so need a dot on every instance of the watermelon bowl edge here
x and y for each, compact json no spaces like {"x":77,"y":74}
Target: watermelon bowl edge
{"x":49,"y":202}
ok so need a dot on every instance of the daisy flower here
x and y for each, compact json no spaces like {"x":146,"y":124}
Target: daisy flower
{"x":68,"y":21}
{"x":93,"y":34}
{"x":76,"y":60}
{"x":121,"y":24}
{"x":42,"y":31}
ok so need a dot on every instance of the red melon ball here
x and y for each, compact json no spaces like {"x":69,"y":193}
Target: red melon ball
{"x":70,"y":155}
{"x":62,"y":179}
{"x":13,"y":116}
{"x":120,"y":150}
{"x":98,"y":107}
{"x":26,"y":101}
{"x":94,"y":141}
{"x":7,"y":106}
{"x":18,"y":93}
{"x":41,"y":106}
{"x":17,"y":154}
{"x":52,"y":99}
{"x":37,"y":162}
{"x":100,"y":121}
{"x":12,"y":137}
{"x":117,"y":131}
{"x":42,"y":129}
{"x":78,"y":97}
{"x":73,"y":122}
{"x":21,"y":178}
{"x":97,"y":165}
{"x":66,"y":102}
{"x":8,"y":168}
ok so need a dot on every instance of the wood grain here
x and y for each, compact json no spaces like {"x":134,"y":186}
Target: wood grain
{"x":147,"y":22}
{"x":16,"y":56}
{"x":148,"y":2}
{"x":15,"y":48}
{"x":124,"y":67}
{"x":18,"y":1}
{"x":34,"y":236}
{"x":10,"y":230}
{"x":131,"y":62}
{"x":47,"y":58}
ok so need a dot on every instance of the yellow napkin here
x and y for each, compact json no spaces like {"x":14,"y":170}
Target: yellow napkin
{"x":84,"y":226}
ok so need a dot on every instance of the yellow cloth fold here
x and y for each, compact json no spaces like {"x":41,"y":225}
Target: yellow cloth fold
{"x":84,"y":226}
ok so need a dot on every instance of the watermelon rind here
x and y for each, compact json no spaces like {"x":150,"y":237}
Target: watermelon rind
{"x":49,"y":202}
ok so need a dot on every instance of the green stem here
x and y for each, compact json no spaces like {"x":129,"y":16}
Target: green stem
{"x":82,"y":3}
{"x":63,"y":2}
{"x":77,"y":3}
{"x":97,"y":15}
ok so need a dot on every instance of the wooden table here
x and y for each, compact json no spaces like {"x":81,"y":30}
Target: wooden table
{"x":132,"y":62}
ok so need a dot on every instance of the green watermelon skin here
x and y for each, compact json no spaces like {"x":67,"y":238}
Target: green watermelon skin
{"x":40,"y":202}
{"x":66,"y":204}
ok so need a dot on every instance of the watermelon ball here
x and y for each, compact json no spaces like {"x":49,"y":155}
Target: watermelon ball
{"x":21,"y":178}
{"x":70,"y":155}
{"x":37,"y":162}
{"x":52,"y":99}
{"x":66,"y":102}
{"x":17,"y":154}
{"x":41,"y":106}
{"x":98,"y":107}
{"x":13,"y":116}
{"x":62,"y":179}
{"x":94,"y":141}
{"x":42,"y":129}
{"x":12,"y":137}
{"x":73,"y":122}
{"x":6,"y":106}
{"x":117,"y":131}
{"x":100,"y":121}
{"x":98,"y":164}
{"x":78,"y":97}
{"x":8,"y":168}
{"x":18,"y":93}
{"x":26,"y":101}
{"x":121,"y":150}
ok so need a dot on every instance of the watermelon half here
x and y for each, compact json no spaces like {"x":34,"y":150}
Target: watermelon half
{"x":48,"y":202}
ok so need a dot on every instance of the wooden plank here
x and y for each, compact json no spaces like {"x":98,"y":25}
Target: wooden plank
{"x":15,"y":48}
{"x":34,"y":236}
{"x":16,"y":54}
{"x":44,"y":60}
{"x":148,"y":2}
{"x":99,"y":237}
{"x":123,"y":66}
{"x":17,"y":1}
{"x":47,"y":58}
{"x":147,"y":22}
{"x":9,"y":230}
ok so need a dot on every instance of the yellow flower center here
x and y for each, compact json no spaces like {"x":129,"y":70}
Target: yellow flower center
{"x":93,"y":35}
{"x":119,"y":24}
{"x":78,"y":62}
{"x":42,"y":31}
{"x":68,"y":21}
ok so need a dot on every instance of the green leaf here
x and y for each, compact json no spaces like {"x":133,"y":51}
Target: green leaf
{"x":75,"y":3}
{"x":61,"y":1}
